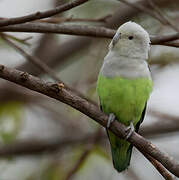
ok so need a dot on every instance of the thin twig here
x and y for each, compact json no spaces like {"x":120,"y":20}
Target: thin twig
{"x":144,"y":9}
{"x":36,"y":61}
{"x":40,"y":15}
{"x":22,"y":41}
{"x":163,"y":16}
{"x":91,"y":110}
{"x":80,"y":161}
{"x":84,"y":155}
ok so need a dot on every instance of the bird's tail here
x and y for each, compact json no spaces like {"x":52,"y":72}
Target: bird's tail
{"x":121,"y":152}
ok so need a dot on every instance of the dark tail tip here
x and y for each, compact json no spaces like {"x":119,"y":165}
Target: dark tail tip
{"x":121,"y":159}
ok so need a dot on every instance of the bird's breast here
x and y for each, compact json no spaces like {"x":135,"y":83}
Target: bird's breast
{"x":125,"y":98}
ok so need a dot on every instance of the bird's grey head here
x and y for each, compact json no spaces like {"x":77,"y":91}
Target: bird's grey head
{"x":130,"y":40}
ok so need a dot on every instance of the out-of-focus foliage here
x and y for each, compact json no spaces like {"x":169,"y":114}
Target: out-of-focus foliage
{"x":11,"y":114}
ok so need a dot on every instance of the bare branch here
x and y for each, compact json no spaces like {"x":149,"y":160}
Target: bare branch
{"x":40,"y":15}
{"x":162,"y":39}
{"x":159,"y":167}
{"x":57,"y":20}
{"x":69,"y":97}
{"x":82,"y":30}
{"x":171,"y":44}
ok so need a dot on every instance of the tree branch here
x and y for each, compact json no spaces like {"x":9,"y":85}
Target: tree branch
{"x":40,"y":15}
{"x":68,"y":97}
{"x":82,"y":30}
{"x":85,"y":154}
{"x":57,"y":20}
{"x":159,"y":167}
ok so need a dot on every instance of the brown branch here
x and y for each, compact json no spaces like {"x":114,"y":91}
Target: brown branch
{"x":82,"y":30}
{"x":57,"y":20}
{"x":91,"y":110}
{"x":160,"y":168}
{"x":162,"y":39}
{"x":171,"y":44}
{"x":40,"y":15}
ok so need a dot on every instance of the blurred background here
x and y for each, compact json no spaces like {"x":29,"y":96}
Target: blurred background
{"x":52,"y":141}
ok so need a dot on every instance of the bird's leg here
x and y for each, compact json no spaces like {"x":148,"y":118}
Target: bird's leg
{"x":130,"y":129}
{"x":110,"y":119}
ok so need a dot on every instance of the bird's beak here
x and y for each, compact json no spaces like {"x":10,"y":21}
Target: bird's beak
{"x":116,"y":38}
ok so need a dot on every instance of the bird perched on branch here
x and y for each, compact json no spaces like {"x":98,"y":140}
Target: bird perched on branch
{"x":124,"y":85}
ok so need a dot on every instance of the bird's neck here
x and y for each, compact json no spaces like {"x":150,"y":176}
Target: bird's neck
{"x":135,"y":53}
{"x":123,"y":66}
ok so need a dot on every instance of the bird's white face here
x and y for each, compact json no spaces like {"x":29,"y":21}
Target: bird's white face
{"x":131,"y":40}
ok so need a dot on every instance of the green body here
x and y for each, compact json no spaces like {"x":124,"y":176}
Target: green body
{"x":126,"y":99}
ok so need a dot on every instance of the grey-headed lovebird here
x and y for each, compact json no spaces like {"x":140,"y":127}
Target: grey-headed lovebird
{"x":124,"y":86}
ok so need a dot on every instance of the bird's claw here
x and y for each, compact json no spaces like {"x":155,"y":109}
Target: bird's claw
{"x":130,"y":129}
{"x":110,"y":119}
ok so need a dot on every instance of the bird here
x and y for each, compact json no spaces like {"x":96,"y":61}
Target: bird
{"x":124,"y":86}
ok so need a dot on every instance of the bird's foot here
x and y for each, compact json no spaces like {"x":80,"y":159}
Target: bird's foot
{"x":130,"y":129}
{"x":110,"y":119}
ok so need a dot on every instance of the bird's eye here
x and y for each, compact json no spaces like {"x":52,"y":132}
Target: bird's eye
{"x":130,"y":37}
